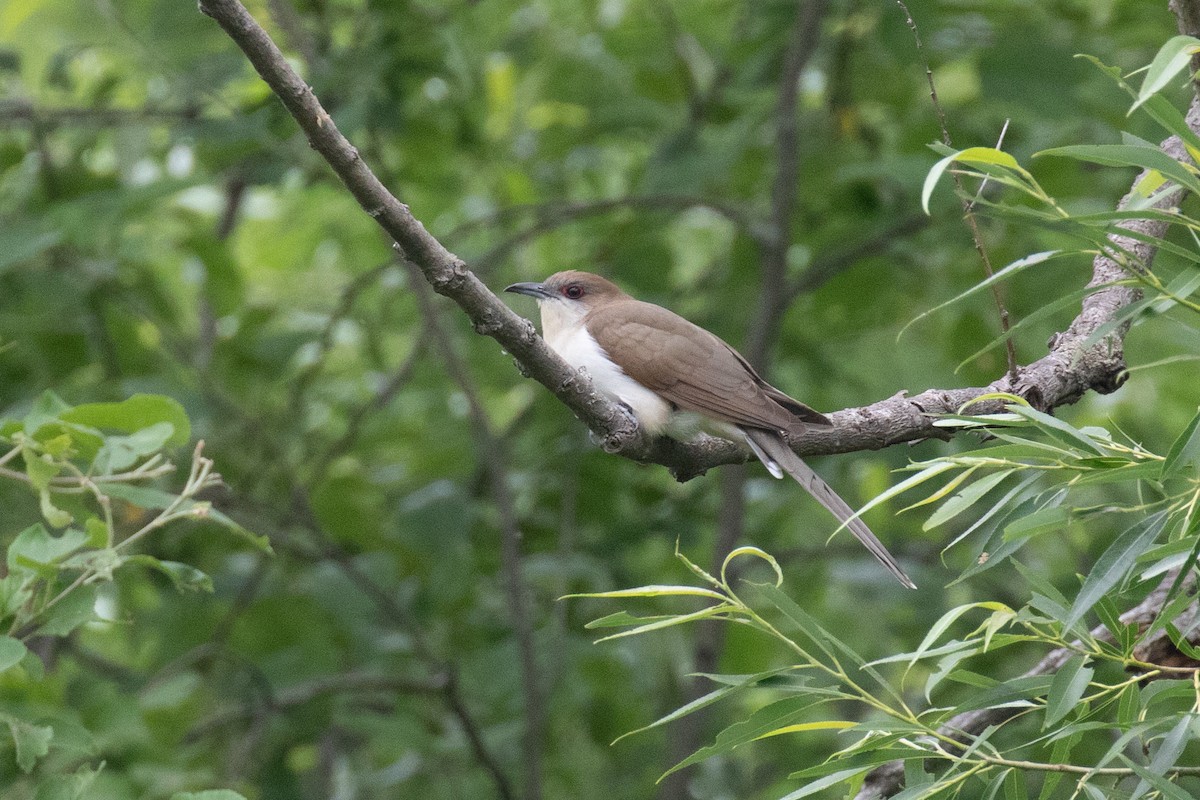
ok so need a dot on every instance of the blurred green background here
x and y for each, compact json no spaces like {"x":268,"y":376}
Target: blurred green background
{"x":164,"y":228}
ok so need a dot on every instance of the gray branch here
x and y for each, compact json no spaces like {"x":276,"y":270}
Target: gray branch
{"x":886,"y":780}
{"x":1062,"y":376}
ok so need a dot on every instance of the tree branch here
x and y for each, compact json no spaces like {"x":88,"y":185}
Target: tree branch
{"x":1061,"y":377}
{"x":886,"y":780}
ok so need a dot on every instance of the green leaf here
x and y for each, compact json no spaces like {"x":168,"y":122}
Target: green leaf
{"x":24,"y":242}
{"x":52,"y":513}
{"x":134,"y":414}
{"x":121,"y":452}
{"x":768,"y":718}
{"x":46,"y":409}
{"x":824,"y":783}
{"x":1184,"y":449}
{"x":1171,"y":59}
{"x":623,"y":619}
{"x":668,"y":622}
{"x":657,"y":590}
{"x":15,"y":591}
{"x":1068,"y":686}
{"x":966,"y":498}
{"x":69,"y":613}
{"x":146,"y":497}
{"x":804,"y":727}
{"x":40,"y":469}
{"x":97,"y":532}
{"x":980,"y":156}
{"x":1114,"y":563}
{"x":1020,"y":265}
{"x":750,"y":550}
{"x":1165,"y":757}
{"x":928,"y":470}
{"x":1017,"y":691}
{"x":1050,"y":518}
{"x":185,"y":577}
{"x":31,"y":741}
{"x":1125,"y":155}
{"x":706,"y":700}
{"x":1129,"y":706}
{"x":68,"y":787}
{"x":35,"y":550}
{"x":948,"y":619}
{"x":1057,"y":429}
{"x":11,"y":652}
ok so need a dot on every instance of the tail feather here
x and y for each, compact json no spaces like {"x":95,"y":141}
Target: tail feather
{"x":776,"y":455}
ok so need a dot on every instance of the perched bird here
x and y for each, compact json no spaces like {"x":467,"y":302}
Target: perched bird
{"x":658,"y":364}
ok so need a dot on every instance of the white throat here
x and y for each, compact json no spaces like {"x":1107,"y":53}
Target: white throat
{"x":564,"y":330}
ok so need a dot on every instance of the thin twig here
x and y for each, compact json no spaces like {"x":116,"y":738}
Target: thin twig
{"x":967,"y":205}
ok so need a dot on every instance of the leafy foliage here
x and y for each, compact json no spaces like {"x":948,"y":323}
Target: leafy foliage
{"x":166,"y":233}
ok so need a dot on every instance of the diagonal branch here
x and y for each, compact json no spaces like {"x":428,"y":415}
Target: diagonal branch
{"x":887,"y":779}
{"x":1061,"y":377}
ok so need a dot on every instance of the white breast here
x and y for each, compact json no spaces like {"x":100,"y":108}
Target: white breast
{"x":563,"y":330}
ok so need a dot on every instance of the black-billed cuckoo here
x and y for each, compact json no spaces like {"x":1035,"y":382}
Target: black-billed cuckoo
{"x":657,"y":364}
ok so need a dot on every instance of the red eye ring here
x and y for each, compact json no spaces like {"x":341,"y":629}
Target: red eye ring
{"x":573,"y":291}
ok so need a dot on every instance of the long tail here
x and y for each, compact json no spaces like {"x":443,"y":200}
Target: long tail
{"x":779,"y":458}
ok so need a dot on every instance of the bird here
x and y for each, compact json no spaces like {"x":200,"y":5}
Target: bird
{"x":660,"y":367}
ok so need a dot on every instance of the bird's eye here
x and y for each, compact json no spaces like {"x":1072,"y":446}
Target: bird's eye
{"x":574,"y":291}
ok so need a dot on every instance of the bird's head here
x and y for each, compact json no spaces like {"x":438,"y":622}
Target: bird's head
{"x":580,"y":291}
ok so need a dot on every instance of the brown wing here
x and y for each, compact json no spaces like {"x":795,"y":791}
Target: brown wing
{"x":674,"y":352}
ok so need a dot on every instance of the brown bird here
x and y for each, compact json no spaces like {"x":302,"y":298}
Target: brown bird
{"x":657,"y":364}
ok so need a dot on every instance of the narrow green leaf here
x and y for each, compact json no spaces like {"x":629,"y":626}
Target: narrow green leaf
{"x":1124,"y":155}
{"x":1052,"y":518}
{"x":1172,"y":58}
{"x":1020,"y":265}
{"x":1181,"y":643}
{"x":1069,"y":300}
{"x":669,"y":622}
{"x":1057,"y":429}
{"x":968,"y":497}
{"x":1129,"y":706}
{"x":1115,"y":562}
{"x":1016,"y":692}
{"x":824,"y":783}
{"x":948,"y":619}
{"x":769,"y":717}
{"x":931,"y":470}
{"x":876,"y":750}
{"x":1066,"y":689}
{"x":804,"y":727}
{"x":1185,"y":448}
{"x":750,"y":550}
{"x":946,"y":489}
{"x":706,"y":700}
{"x":655,"y":590}
{"x":623,"y":619}
{"x":1165,"y":757}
